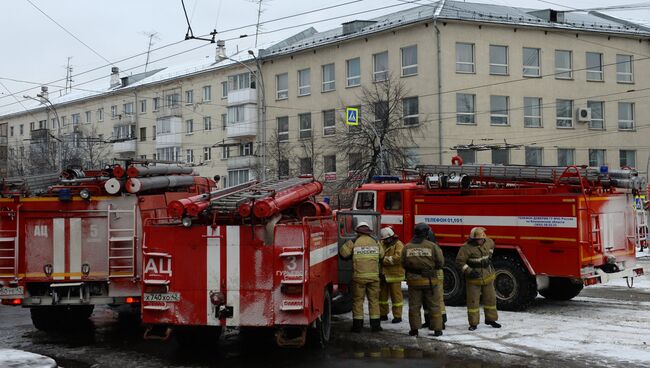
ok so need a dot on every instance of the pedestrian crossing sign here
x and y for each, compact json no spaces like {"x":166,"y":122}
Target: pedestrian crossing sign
{"x":352,"y":114}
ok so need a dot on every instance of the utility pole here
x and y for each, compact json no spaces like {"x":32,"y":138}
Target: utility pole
{"x":68,"y":76}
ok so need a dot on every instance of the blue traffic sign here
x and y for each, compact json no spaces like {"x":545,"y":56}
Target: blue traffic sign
{"x":352,"y":114}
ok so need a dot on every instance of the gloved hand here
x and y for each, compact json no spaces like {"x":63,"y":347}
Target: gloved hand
{"x":429,"y":273}
{"x":473,"y":274}
{"x":388,"y":260}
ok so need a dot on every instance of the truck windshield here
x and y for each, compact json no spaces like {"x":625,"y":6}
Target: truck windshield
{"x":393,"y":201}
{"x":365,"y":201}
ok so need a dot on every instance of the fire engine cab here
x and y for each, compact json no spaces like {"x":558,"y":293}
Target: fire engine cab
{"x":78,"y":244}
{"x":556,"y":229}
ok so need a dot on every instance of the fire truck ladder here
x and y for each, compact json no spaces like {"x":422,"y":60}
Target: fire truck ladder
{"x":121,"y":243}
{"x":641,"y":221}
{"x":9,"y":252}
{"x":295,"y":255}
{"x":230,"y":202}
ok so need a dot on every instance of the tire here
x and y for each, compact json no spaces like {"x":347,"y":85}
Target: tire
{"x":515,"y":288}
{"x":562,"y":288}
{"x":454,"y":282}
{"x":46,"y":318}
{"x":320,"y":335}
{"x":65,"y":317}
{"x":194,"y":337}
{"x":342,"y":303}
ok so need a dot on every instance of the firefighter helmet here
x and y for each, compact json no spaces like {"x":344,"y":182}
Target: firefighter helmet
{"x":386,"y":233}
{"x":363,"y":228}
{"x":477,"y":233}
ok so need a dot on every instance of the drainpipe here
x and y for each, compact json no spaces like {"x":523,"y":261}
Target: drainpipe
{"x":441,"y":4}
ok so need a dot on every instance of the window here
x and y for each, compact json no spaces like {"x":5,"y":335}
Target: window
{"x":532,"y":112}
{"x":625,"y":116}
{"x":89,"y":115}
{"x":224,"y":89}
{"x":306,"y":166}
{"x":124,"y":132}
{"x":534,"y":156}
{"x":236,"y":114}
{"x":172,"y":100}
{"x":100,"y":114}
{"x":246,"y":149}
{"x":498,"y":60}
{"x":164,"y":127}
{"x":501,"y":156}
{"x":168,"y":153}
{"x":143,"y":134}
{"x":283,"y":129}
{"x":207,"y":93}
{"x":11,"y":131}
{"x":305,"y":125}
{"x":207,"y":153}
{"x":596,"y":157}
{"x":76,"y":119}
{"x":128,"y":108}
{"x":468,"y":156}
{"x":464,"y":58}
{"x":189,"y":156}
{"x":465,"y":108}
{"x":329,"y":122}
{"x":411,"y":157}
{"x":531,"y":62}
{"x":153,"y":133}
{"x":564,"y":113}
{"x":143,"y":106}
{"x":304,"y":82}
{"x":627,"y":158}
{"x":355,"y":161}
{"x":63,"y":122}
{"x":409,"y":61}
{"x":594,"y":66}
{"x":189,"y":126}
{"x":42,"y":124}
{"x":329,"y":163}
{"x":114,"y":111}
{"x":597,"y":115}
{"x":32,"y":125}
{"x":365,"y":201}
{"x":282,"y":86}
{"x":393,"y":201}
{"x":283,"y":168}
{"x":563,"y":64}
{"x":236,"y":177}
{"x":224,"y":121}
{"x":380,"y":66}
{"x":239,"y":81}
{"x":499,"y":110}
{"x":329,"y":75}
{"x":156,"y":103}
{"x":624,"y":69}
{"x":411,"y":111}
{"x":225,"y":152}
{"x":566,"y":156}
{"x":189,"y":97}
{"x":353,"y":72}
{"x":207,"y":123}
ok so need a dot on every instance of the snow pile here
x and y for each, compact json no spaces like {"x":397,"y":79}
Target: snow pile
{"x":22,"y":359}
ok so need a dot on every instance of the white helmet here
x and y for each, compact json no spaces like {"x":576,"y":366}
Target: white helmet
{"x":386,"y":233}
{"x":362,"y":223}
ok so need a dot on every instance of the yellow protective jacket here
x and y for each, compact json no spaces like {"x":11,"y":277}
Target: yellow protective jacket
{"x":418,"y":257}
{"x":472,"y":256}
{"x":392,"y":264}
{"x":366,"y":254}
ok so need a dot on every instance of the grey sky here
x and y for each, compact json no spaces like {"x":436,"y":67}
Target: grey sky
{"x":35,"y":49}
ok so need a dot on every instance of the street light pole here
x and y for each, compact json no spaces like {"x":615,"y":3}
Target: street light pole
{"x":44,"y":100}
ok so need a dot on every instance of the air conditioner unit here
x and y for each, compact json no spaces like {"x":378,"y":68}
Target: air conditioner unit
{"x":583,"y":114}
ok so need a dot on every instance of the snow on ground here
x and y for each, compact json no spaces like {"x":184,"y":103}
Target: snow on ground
{"x":22,"y":359}
{"x":595,"y":329}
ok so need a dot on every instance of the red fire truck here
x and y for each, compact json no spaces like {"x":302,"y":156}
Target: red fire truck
{"x":556,"y":228}
{"x":78,"y":244}
{"x":257,"y":255}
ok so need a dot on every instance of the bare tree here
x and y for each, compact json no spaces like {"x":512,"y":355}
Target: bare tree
{"x":92,"y":149}
{"x":378,"y":144}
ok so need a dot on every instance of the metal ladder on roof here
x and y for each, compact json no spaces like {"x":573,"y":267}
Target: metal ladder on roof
{"x":231,"y":202}
{"x":121,"y":243}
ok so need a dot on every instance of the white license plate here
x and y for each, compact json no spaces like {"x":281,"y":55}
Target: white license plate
{"x":5,"y":291}
{"x":159,"y":297}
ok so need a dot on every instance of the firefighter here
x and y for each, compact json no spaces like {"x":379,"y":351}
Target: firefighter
{"x":421,"y":259}
{"x":475,"y":261}
{"x":441,"y":295}
{"x":366,"y":255}
{"x":392,"y":275}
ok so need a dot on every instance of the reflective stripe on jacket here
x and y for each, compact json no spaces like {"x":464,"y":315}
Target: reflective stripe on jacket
{"x":392,"y":264}
{"x":417,"y":257}
{"x":366,"y":254}
{"x":472,"y":256}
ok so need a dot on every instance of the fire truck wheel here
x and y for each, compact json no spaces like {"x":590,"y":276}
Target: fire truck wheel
{"x":46,"y":318}
{"x":516,"y":289}
{"x":320,"y":335}
{"x":342,"y":303}
{"x":562,"y":288}
{"x":197,"y":336}
{"x":454,"y":282}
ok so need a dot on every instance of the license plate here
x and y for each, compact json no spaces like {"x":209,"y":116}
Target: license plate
{"x":6,"y":291}
{"x":159,"y":297}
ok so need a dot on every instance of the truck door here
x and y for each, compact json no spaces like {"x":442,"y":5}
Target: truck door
{"x":392,"y":211}
{"x":347,"y":221}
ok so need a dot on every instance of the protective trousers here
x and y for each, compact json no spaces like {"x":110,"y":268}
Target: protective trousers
{"x":361,"y":289}
{"x":429,"y":296}
{"x":476,"y":293}
{"x":394,"y":290}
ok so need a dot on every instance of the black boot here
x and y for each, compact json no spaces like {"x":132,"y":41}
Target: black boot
{"x":494,"y":324}
{"x":437,"y":333}
{"x":472,"y":328}
{"x":383,"y":318}
{"x":413,"y":333}
{"x":444,"y":318}
{"x":427,"y":321}
{"x":375,"y":325}
{"x":357,"y":325}
{"x":396,"y":320}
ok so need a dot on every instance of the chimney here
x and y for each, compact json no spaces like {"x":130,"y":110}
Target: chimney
{"x":221,"y":51}
{"x":43,"y":95}
{"x":115,"y":77}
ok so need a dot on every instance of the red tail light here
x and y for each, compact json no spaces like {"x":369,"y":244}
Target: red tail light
{"x":131,"y":300}
{"x":12,"y":301}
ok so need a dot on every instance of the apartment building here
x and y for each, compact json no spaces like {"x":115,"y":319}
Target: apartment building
{"x":490,"y":83}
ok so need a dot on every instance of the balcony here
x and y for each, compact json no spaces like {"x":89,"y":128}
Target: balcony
{"x":241,"y":162}
{"x":125,"y":146}
{"x":242,"y":96}
{"x":166,"y":111}
{"x":241,"y":130}
{"x":168,"y":140}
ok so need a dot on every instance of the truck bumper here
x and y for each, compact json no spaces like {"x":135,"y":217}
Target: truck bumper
{"x":602,"y":277}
